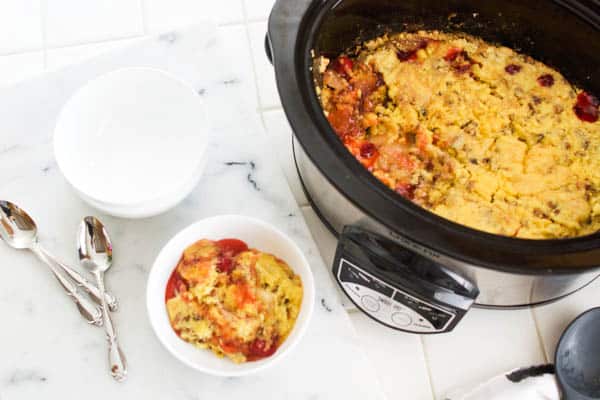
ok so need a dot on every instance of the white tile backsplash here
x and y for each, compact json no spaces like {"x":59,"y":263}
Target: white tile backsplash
{"x":258,"y":9}
{"x":70,"y":22}
{"x":397,"y":357}
{"x":484,"y":344}
{"x":20,"y":26}
{"x":162,"y":15}
{"x":17,"y":67}
{"x":63,"y":56}
{"x":553,"y":319}
{"x":265,"y":75}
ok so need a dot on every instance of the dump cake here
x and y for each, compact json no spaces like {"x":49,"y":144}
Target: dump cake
{"x":474,"y":132}
{"x":238,"y":302}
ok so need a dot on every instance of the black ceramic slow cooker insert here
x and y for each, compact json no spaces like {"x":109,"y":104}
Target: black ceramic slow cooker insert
{"x":403,"y":265}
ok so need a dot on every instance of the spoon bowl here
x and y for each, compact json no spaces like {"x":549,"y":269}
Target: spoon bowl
{"x":95,"y":253}
{"x":17,"y":228}
{"x":95,"y":248}
{"x":578,"y":358}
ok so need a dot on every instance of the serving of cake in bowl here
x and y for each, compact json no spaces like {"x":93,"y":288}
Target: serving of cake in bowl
{"x":238,"y":302}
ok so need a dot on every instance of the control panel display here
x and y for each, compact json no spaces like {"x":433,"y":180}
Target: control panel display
{"x":389,"y":305}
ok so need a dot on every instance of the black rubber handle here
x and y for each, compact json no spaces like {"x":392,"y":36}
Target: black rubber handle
{"x":268,"y":49}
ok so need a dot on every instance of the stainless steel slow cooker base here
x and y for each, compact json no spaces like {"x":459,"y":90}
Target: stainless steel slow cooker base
{"x":498,"y":290}
{"x":403,"y":266}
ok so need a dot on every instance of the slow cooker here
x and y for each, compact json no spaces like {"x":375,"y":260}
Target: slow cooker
{"x":400,"y":264}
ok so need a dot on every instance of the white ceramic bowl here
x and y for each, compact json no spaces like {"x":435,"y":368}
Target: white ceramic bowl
{"x":256,"y":234}
{"x":132,"y":142}
{"x":145,"y":209}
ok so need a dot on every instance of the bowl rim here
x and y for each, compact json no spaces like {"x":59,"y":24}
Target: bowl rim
{"x":146,"y":209}
{"x":159,"y":193}
{"x":300,"y":326}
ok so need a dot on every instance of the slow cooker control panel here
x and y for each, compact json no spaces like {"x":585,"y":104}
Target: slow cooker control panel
{"x":398,"y":287}
{"x":389,"y":305}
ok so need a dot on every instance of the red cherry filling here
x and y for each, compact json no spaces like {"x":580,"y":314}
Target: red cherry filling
{"x":586,"y":107}
{"x":229,"y":249}
{"x":175,"y":285}
{"x":411,"y":55}
{"x":452,"y":54}
{"x":232,"y":246}
{"x":258,"y":349}
{"x":513,"y":69}
{"x":406,"y":190}
{"x":225,"y":264}
{"x":343,"y":65}
{"x":367,"y":150}
{"x":459,"y":60}
{"x":546,"y":80}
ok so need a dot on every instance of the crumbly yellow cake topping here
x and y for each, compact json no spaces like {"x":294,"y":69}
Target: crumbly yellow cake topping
{"x":238,"y":302}
{"x":476,"y":133}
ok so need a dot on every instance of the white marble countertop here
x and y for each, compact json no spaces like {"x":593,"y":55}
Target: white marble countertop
{"x":37,"y":36}
{"x":49,"y":350}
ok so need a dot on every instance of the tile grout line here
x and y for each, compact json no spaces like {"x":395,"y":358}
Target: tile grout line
{"x":256,"y":20}
{"x":144,"y":16}
{"x":252,"y":63}
{"x":254,"y":69}
{"x":243,"y":21}
{"x":43,"y":27}
{"x":33,"y":49}
{"x":44,"y":47}
{"x":231,"y":23}
{"x":427,"y":367}
{"x":270,"y":108}
{"x":539,"y":335}
{"x":260,"y":109}
{"x":95,"y":41}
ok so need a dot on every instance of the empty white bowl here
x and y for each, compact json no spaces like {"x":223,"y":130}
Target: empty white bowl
{"x":256,"y":234}
{"x":132,"y":142}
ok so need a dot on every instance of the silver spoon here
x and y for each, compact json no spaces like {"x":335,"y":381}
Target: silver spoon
{"x":19,"y":231}
{"x":26,"y":230}
{"x":95,"y":253}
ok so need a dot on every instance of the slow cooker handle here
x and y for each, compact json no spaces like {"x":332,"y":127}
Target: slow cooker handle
{"x":268,"y":48}
{"x":398,"y":287}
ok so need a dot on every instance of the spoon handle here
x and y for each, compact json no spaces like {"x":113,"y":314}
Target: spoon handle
{"x":93,"y":291}
{"x":87,"y":309}
{"x":116,"y":358}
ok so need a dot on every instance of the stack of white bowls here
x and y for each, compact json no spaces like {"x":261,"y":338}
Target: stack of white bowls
{"x":132,"y":142}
